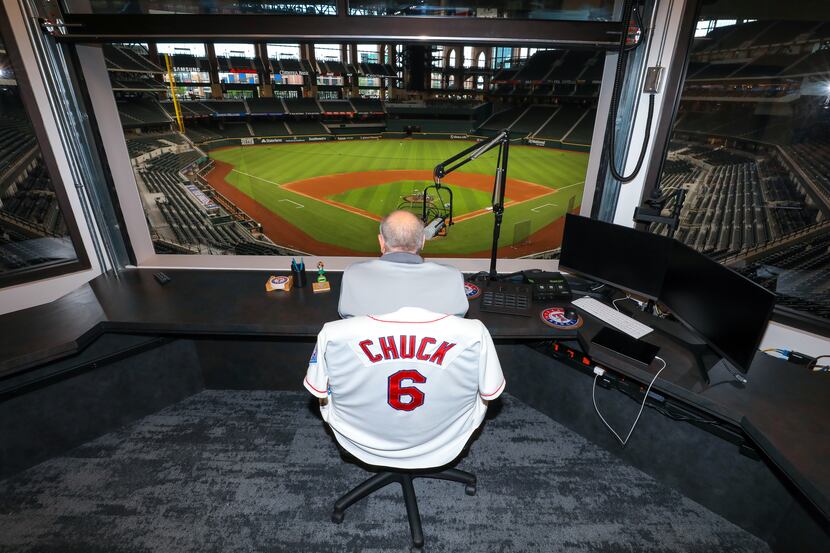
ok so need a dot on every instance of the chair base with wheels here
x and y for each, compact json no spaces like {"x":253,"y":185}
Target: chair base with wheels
{"x":404,"y":478}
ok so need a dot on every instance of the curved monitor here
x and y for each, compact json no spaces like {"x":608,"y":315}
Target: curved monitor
{"x":723,"y":307}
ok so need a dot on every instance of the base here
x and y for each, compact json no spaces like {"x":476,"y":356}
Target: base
{"x":321,"y":287}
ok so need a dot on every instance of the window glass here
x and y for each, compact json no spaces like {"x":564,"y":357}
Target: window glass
{"x":307,"y":160}
{"x":750,"y":149}
{"x":34,"y":233}
{"x":277,"y":51}
{"x":593,"y":10}
{"x":232,"y":7}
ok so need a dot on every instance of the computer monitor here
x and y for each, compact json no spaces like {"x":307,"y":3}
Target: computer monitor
{"x":629,"y":259}
{"x":727,"y":310}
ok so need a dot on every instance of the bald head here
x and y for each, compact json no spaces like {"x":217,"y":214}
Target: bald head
{"x":401,"y":231}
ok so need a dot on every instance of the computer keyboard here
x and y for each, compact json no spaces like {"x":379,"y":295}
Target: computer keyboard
{"x":612,"y":317}
{"x":506,"y":297}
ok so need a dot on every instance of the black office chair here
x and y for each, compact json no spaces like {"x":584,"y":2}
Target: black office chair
{"x":404,"y":478}
{"x":447,"y":390}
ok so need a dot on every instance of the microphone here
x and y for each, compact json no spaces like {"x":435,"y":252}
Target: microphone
{"x":433,"y":228}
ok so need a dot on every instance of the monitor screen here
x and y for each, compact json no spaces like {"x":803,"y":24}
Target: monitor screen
{"x":727,"y":310}
{"x":622,"y":257}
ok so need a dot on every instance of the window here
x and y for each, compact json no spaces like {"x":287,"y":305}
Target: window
{"x":482,"y":60}
{"x":749,"y":149}
{"x":236,"y":50}
{"x":451,"y":59}
{"x":224,"y":7}
{"x":435,"y":80}
{"x":38,"y":237}
{"x":367,"y":53}
{"x":242,"y":185}
{"x":468,"y":56}
{"x":191,"y":49}
{"x":438,"y":57}
{"x":279,"y":51}
{"x":544,"y":9}
{"x":327,"y":52}
{"x":501,"y":57}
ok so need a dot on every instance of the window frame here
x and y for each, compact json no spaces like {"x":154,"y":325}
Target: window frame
{"x":24,"y":84}
{"x":569,"y":34}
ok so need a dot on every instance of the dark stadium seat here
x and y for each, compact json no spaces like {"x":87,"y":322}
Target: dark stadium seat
{"x":562,"y":122}
{"x":306,"y":126}
{"x":302,"y":106}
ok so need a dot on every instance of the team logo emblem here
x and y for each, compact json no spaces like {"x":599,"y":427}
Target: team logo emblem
{"x":313,"y":359}
{"x":471,"y":290}
{"x":555,"y":317}
{"x":278,"y":280}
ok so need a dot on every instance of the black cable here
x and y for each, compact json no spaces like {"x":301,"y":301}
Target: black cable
{"x":622,"y":58}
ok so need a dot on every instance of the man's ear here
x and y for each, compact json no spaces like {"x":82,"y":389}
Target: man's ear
{"x":382,"y":243}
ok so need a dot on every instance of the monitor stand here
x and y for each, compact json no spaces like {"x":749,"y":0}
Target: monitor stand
{"x":704,"y":356}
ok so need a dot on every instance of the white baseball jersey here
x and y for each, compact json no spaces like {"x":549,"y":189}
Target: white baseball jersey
{"x":407,"y":389}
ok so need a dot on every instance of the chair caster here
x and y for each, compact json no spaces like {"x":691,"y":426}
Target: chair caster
{"x":337,"y":517}
{"x":470,"y":489}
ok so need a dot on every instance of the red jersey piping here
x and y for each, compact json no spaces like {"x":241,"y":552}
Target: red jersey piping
{"x":408,"y":322}
{"x":503,"y":382}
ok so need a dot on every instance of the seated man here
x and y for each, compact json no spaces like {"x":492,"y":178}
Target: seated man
{"x":401,"y":278}
{"x":406,"y":389}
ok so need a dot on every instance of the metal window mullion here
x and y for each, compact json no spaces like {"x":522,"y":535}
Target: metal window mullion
{"x":61,"y":100}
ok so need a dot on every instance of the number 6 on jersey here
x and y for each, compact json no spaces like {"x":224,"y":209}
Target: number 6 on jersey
{"x":396,"y":391}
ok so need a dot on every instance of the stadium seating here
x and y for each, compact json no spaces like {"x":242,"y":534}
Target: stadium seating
{"x":539,"y":66}
{"x":265,"y":105}
{"x":532,"y":119}
{"x":125,"y":59}
{"x":798,"y":272}
{"x":306,"y":126}
{"x":142,"y":144}
{"x":34,"y":203}
{"x":302,"y":106}
{"x":201,"y":133}
{"x":366,"y":105}
{"x":502,"y":119}
{"x":226,"y":107}
{"x":573,"y":65}
{"x":337,"y":106}
{"x":16,"y":135}
{"x":561,"y":124}
{"x":264,"y":127}
{"x":734,"y":204}
{"x":141,"y":112}
{"x":584,"y":129}
{"x":234,"y":129}
{"x":429,"y":125}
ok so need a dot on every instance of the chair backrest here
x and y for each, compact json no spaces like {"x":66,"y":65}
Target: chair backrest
{"x":406,"y":389}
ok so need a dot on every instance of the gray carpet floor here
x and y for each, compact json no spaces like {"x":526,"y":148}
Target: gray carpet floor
{"x":239,"y":471}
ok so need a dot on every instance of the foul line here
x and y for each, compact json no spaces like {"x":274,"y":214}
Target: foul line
{"x":254,"y":177}
{"x":299,"y":205}
{"x":538,"y":207}
{"x":570,"y":186}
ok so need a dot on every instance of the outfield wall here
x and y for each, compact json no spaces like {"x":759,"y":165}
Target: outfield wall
{"x":292,"y":139}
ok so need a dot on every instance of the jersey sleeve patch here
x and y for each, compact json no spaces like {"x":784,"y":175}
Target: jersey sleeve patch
{"x":313,"y":359}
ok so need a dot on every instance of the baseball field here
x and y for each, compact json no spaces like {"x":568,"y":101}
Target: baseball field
{"x":326,"y":198}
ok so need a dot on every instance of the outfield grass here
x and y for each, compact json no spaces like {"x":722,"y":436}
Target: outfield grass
{"x":260,"y":170}
{"x":380,"y":200}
